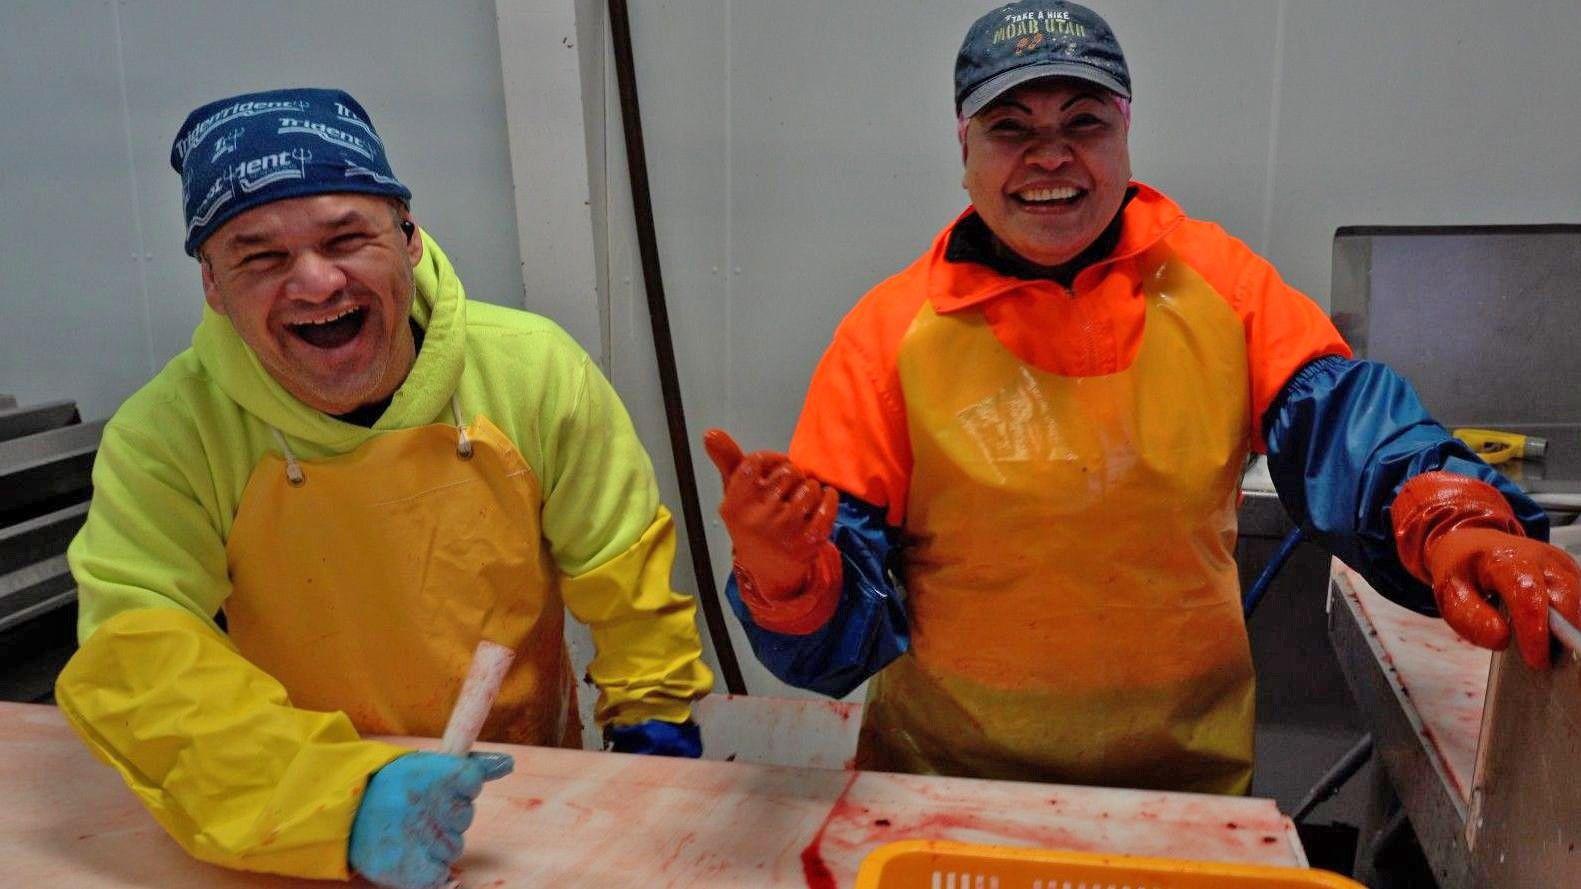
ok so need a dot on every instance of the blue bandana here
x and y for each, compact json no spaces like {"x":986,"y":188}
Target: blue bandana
{"x":248,"y":150}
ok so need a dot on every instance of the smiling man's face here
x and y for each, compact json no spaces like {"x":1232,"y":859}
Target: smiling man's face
{"x":1047,"y":166}
{"x":320,"y":288}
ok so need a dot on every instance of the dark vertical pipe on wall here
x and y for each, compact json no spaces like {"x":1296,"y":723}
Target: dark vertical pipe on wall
{"x":669,"y":380}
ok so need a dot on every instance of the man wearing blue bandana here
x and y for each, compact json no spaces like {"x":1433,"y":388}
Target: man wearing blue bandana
{"x":303,"y":526}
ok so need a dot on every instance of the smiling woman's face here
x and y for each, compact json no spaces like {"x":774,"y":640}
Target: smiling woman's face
{"x":1047,"y":166}
{"x":320,"y":289}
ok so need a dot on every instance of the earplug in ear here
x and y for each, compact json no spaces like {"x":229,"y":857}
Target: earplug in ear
{"x":408,"y":228}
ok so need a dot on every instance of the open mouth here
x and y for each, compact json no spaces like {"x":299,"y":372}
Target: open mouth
{"x":1062,"y":196}
{"x":334,"y":331}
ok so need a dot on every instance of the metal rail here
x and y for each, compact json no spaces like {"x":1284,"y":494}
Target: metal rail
{"x":1564,"y":631}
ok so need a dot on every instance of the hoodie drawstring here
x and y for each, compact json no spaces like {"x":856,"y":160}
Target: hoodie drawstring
{"x":464,"y":444}
{"x":293,"y":468}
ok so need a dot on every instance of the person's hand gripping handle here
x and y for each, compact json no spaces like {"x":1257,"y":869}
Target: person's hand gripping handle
{"x":408,"y":828}
{"x":1459,"y":535}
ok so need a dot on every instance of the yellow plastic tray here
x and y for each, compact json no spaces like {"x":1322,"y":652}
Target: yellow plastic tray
{"x":937,"y":864}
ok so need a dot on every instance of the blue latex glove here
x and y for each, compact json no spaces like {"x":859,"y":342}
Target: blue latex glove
{"x":657,"y":738}
{"x":408,"y":828}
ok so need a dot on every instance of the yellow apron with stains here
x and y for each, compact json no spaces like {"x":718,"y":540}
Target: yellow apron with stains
{"x":365,"y":588}
{"x":1074,"y":602}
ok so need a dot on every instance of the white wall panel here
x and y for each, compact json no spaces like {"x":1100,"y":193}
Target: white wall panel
{"x":1203,"y":76}
{"x":97,"y":171}
{"x":555,"y":117}
{"x":1424,"y":112}
{"x":73,"y":318}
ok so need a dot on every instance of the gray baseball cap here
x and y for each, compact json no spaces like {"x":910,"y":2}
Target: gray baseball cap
{"x":1033,"y":39}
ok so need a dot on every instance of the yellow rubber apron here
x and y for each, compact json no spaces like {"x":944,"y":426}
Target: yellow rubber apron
{"x":366,"y":587}
{"x":1074,"y":603}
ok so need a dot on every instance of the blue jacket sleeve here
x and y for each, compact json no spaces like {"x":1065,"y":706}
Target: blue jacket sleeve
{"x":1342,"y":437}
{"x":868,"y":628}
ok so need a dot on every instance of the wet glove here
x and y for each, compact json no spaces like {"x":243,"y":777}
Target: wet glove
{"x":1459,"y":536}
{"x":657,"y":738}
{"x":787,"y":569}
{"x":407,"y":831}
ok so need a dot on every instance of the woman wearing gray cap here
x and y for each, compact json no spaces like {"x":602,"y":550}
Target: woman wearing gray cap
{"x":1010,"y":498}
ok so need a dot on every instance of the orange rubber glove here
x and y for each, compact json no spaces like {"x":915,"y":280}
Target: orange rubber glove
{"x":1459,"y":536}
{"x":779,"y":521}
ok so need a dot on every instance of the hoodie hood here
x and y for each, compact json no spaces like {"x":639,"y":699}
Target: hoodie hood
{"x":439,"y":307}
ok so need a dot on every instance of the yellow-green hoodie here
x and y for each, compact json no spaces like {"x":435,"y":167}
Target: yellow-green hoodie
{"x":240,"y":777}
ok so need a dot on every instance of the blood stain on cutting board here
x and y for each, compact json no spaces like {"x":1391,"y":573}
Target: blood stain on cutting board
{"x":859,"y":827}
{"x":814,"y":869}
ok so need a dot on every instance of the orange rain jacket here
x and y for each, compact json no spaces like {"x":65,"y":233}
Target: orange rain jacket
{"x":852,"y":432}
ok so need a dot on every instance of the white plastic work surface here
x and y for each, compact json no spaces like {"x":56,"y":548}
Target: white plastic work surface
{"x":1442,"y":678}
{"x":802,"y":732}
{"x":575,"y":818}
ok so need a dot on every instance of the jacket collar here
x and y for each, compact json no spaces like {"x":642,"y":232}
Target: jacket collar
{"x":953,"y":286}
